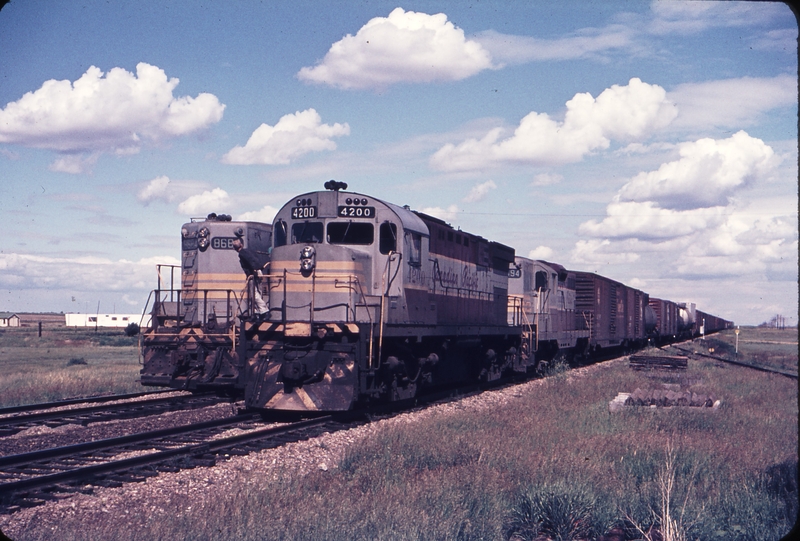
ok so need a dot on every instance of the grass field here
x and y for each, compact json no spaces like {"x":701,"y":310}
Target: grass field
{"x":774,"y":348}
{"x":51,"y":367}
{"x":553,"y":462}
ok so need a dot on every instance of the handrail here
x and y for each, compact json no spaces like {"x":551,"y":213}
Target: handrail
{"x":162,"y":296}
{"x":340,"y":280}
{"x":384,"y":293}
{"x":171,"y":275}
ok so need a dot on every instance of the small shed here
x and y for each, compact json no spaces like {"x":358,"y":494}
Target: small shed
{"x":9,"y":319}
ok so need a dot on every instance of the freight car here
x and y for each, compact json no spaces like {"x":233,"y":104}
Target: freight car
{"x":708,"y":324}
{"x":612,"y":313}
{"x":665,"y":327}
{"x":373,"y":302}
{"x":192,"y":341}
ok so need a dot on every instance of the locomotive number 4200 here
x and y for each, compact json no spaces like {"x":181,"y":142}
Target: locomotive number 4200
{"x":356,"y":212}
{"x":298,"y":213}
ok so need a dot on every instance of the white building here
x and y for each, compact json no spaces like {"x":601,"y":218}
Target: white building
{"x":106,"y":320}
{"x":8,"y":319}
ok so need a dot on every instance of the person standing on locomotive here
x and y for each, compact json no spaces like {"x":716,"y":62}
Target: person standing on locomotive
{"x":251,"y":267}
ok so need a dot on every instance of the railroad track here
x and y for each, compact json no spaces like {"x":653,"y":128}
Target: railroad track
{"x":15,"y":422}
{"x":73,"y":401}
{"x":34,"y":478}
{"x":758,"y":367}
{"x":37,"y":477}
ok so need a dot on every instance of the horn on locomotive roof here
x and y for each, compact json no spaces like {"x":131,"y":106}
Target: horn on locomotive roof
{"x":335,"y":185}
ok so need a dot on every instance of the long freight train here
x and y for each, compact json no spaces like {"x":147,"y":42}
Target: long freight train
{"x":372,"y":302}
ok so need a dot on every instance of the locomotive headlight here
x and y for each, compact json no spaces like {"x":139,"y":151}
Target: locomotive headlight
{"x":202,"y":244}
{"x":203,"y":233}
{"x":307,"y":259}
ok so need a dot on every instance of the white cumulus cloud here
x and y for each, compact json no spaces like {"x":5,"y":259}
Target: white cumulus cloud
{"x":689,"y":219}
{"x":541,"y":252}
{"x":216,"y":200}
{"x":74,"y":164}
{"x":155,"y":189}
{"x":406,"y":46}
{"x":293,"y":136}
{"x":449,"y":214}
{"x":707,"y":173}
{"x":111,"y":112}
{"x":647,"y":221}
{"x":600,"y":252}
{"x":167,"y":190}
{"x":479,"y":191}
{"x":621,"y":112}
{"x":265,"y":215}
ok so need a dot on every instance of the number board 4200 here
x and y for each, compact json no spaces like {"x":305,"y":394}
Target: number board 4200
{"x":298,"y":213}
{"x":351,"y":211}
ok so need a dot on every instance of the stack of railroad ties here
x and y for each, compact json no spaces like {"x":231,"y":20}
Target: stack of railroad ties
{"x":669,"y":396}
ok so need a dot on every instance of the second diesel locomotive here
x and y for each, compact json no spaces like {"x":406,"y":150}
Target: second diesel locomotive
{"x":192,"y":341}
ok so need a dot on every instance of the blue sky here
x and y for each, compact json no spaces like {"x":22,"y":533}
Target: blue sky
{"x":655,"y":143}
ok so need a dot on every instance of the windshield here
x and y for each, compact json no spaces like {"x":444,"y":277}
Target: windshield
{"x":307,"y":232}
{"x":350,"y":233}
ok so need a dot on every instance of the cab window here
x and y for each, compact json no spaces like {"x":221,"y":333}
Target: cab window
{"x":541,"y":280}
{"x":388,"y":239}
{"x":350,"y":233}
{"x":280,"y":233}
{"x":307,"y":232}
{"x":414,"y":249}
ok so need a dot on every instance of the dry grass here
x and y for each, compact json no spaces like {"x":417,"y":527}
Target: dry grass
{"x":39,"y":369}
{"x":466,"y":475}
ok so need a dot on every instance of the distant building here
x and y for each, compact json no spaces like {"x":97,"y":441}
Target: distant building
{"x":8,"y":319}
{"x":106,"y":320}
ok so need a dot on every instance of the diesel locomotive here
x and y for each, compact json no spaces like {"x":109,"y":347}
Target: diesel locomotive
{"x":192,"y":341}
{"x":371,"y":302}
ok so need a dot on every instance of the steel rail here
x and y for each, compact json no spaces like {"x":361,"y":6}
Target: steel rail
{"x":761,"y":368}
{"x":93,"y":414}
{"x":116,"y":466}
{"x":73,"y":401}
